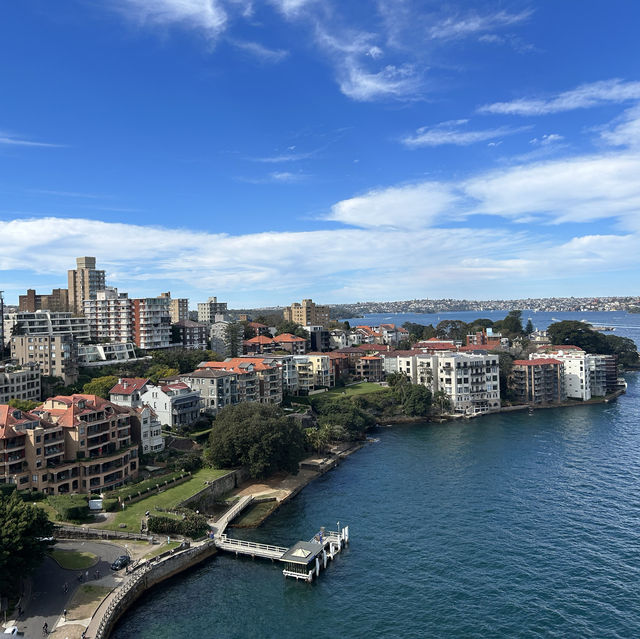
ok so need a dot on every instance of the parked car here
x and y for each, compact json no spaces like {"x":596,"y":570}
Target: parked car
{"x":121,"y":562}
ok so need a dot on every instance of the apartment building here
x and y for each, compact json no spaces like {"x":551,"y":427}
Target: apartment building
{"x":84,"y":282}
{"x":46,"y":323}
{"x":314,"y":371}
{"x":57,"y":301}
{"x":20,"y":382}
{"x":248,"y":381}
{"x":175,"y":404}
{"x":102,"y":354}
{"x":538,"y":381}
{"x":577,"y":377}
{"x":307,"y":314}
{"x":55,"y":355}
{"x":151,"y":323}
{"x":110,"y":316}
{"x":218,"y":388}
{"x":191,"y":335}
{"x":178,"y":307}
{"x":470,"y":380}
{"x":269,"y":377}
{"x":319,"y":338}
{"x":79,"y":443}
{"x":208,"y":310}
{"x":370,"y":368}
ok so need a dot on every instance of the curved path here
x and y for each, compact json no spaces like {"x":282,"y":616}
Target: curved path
{"x":47,"y":598}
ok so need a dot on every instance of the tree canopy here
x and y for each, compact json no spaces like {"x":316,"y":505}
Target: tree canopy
{"x":100,"y":386}
{"x":258,"y":436}
{"x":581,"y":334}
{"x":292,"y":328}
{"x":23,"y":527}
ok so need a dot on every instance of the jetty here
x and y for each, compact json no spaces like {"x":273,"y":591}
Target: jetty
{"x":303,"y":560}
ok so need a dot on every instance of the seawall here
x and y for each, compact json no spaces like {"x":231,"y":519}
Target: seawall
{"x":146,"y":576}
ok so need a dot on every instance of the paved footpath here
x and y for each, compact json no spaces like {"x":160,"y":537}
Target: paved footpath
{"x":47,"y":599}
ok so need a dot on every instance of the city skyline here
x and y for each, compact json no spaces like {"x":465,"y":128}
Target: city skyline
{"x":266,"y":152}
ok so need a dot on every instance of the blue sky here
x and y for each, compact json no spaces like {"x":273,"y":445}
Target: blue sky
{"x":265,"y":151}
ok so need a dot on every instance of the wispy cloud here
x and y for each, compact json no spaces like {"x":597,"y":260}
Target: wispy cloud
{"x":10,"y":139}
{"x":276,"y":177}
{"x":291,"y":8}
{"x":582,"y":97}
{"x":463,"y":26}
{"x":208,"y":16}
{"x":261,"y":52}
{"x":285,"y":157}
{"x":451,"y":133}
{"x":73,"y":194}
{"x":624,"y":130}
{"x":547,"y":139}
{"x":389,"y":82}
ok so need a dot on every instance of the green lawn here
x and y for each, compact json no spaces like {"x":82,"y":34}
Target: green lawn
{"x":357,"y":389}
{"x":168,"y":499}
{"x":159,"y":549}
{"x":74,"y":560}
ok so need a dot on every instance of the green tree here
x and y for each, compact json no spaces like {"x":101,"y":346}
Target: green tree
{"x":452,"y":329}
{"x":441,"y":401}
{"x":158,"y":372}
{"x":100,"y":386}
{"x":292,"y":328}
{"x":233,"y":334}
{"x":23,"y":404}
{"x":528,"y":329}
{"x":505,"y":365}
{"x":512,"y":323}
{"x":183,"y":359}
{"x":23,"y":527}
{"x":258,"y":436}
{"x":343,"y":412}
{"x":417,"y":401}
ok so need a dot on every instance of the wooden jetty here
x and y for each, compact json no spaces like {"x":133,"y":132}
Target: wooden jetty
{"x":303,"y":560}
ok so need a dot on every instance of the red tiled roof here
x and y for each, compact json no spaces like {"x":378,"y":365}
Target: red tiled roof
{"x":288,"y":337}
{"x":259,"y":339}
{"x":128,"y":385}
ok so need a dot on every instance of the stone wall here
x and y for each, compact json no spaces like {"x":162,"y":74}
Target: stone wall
{"x":146,"y":577}
{"x":210,"y":494}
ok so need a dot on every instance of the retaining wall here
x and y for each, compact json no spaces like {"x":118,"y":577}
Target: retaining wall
{"x":206,"y":497}
{"x":146,"y":577}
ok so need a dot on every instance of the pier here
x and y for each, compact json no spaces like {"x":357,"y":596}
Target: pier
{"x":303,"y":560}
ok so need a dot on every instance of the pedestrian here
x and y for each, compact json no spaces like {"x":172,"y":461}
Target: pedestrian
{"x":66,"y":587}
{"x":64,"y":614}
{"x":87,"y":575}
{"x":19,"y":610}
{"x":45,"y":628}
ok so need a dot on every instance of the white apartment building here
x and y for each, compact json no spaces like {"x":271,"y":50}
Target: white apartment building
{"x":45,"y":323}
{"x":55,"y":355}
{"x":103,"y":354}
{"x":145,"y":425}
{"x":577,"y":378}
{"x":314,"y":370}
{"x":175,"y":404}
{"x":110,"y":316}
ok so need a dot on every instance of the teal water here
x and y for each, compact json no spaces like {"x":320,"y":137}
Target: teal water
{"x":509,"y":525}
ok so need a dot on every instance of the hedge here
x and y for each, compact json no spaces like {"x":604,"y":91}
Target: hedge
{"x":70,"y":507}
{"x":193,"y":525}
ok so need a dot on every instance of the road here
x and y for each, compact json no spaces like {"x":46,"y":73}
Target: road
{"x":48,"y":599}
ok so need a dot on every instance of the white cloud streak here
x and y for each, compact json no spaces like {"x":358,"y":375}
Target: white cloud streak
{"x":582,"y":97}
{"x":458,"y":27}
{"x":451,"y":133}
{"x":9,"y":139}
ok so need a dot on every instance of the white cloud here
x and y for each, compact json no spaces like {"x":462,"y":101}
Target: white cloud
{"x":578,"y":189}
{"x":285,"y":157}
{"x":625,"y":130}
{"x":390,"y":82}
{"x":457,"y":27}
{"x":582,"y":97}
{"x":291,"y":8}
{"x":10,"y":139}
{"x":547,"y":139}
{"x":209,"y":16}
{"x":450,"y":133}
{"x":260,"y":51}
{"x":411,"y":206}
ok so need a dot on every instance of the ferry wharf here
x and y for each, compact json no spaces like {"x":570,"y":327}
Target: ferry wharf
{"x":303,"y":560}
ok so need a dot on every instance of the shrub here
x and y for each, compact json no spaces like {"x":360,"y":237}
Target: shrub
{"x":70,"y":507}
{"x":192,"y":525}
{"x":110,"y":505}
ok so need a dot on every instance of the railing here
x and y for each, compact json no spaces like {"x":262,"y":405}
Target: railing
{"x":240,"y":505}
{"x":227,"y":543}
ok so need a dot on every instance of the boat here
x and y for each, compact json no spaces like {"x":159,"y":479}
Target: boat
{"x":606,"y":329}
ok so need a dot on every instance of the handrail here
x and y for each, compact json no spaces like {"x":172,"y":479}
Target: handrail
{"x":223,"y":539}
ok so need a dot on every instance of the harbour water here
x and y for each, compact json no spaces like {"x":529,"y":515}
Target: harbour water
{"x":510,"y":525}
